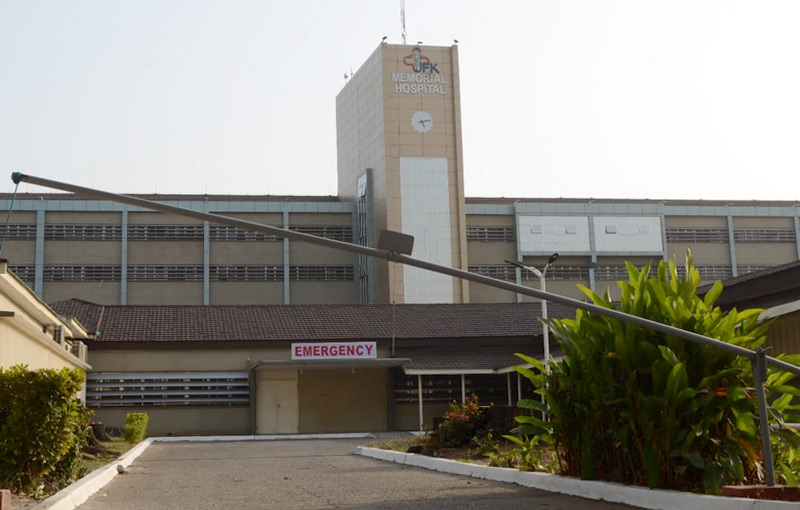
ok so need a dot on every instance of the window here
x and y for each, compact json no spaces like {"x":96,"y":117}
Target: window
{"x":321,"y":273}
{"x":246,"y":273}
{"x":165,"y":273}
{"x":763,"y":235}
{"x":82,"y":274}
{"x":611,"y":229}
{"x":25,"y":273}
{"x":536,"y":229}
{"x":83,"y":232}
{"x":490,"y":234}
{"x":228,"y":233}
{"x":697,"y":235}
{"x":165,"y":232}
{"x":20,"y":232}
{"x":499,"y":272}
{"x":156,"y":389}
{"x":447,"y":388}
{"x":571,"y":229}
{"x":336,"y":232}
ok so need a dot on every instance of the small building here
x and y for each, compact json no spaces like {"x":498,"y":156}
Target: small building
{"x":268,"y":369}
{"x":32,"y":334}
{"x":777,"y":290}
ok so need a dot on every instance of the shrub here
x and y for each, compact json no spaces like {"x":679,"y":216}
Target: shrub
{"x":43,"y":426}
{"x":462,"y":422}
{"x":136,"y":427}
{"x":636,"y":406}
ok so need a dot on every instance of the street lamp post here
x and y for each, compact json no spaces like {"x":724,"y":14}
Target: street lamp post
{"x":543,"y":285}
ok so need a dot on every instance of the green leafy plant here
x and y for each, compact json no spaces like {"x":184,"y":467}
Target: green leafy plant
{"x":43,"y":426}
{"x":636,"y":406}
{"x":136,"y":426}
{"x":462,"y":422}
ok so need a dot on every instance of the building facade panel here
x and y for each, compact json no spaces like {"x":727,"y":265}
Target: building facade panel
{"x":103,"y":293}
{"x":165,"y":293}
{"x":247,"y":293}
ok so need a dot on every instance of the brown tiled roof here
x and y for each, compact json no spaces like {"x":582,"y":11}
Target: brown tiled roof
{"x":278,"y":323}
{"x":769,"y":287}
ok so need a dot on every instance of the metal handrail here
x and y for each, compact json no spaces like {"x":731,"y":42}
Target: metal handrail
{"x":758,"y":358}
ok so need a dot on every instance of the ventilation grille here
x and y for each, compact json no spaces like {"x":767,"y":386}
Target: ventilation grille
{"x":151,"y":389}
{"x":83,"y":232}
{"x":490,"y":234}
{"x":165,"y":232}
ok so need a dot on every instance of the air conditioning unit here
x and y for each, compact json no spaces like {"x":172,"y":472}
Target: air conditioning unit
{"x":79,"y":350}
{"x":58,"y":335}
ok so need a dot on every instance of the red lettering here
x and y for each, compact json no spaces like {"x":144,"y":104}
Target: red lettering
{"x":308,"y":350}
{"x":297,"y":351}
{"x":369,"y":349}
{"x":335,"y":350}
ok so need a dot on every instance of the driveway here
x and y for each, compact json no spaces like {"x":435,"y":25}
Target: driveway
{"x":286,"y":475}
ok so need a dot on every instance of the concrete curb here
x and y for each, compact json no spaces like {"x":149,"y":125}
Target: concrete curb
{"x":276,"y":437}
{"x":640,"y":497}
{"x":76,"y":494}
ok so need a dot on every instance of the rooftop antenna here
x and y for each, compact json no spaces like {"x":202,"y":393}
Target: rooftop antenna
{"x":403,"y":20}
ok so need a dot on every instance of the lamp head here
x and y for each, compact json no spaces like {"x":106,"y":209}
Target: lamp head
{"x":552,"y":258}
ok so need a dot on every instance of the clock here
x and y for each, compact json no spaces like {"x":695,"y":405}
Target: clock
{"x":422,"y":121}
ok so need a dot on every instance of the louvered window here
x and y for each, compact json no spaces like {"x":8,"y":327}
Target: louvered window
{"x":20,"y":232}
{"x":246,"y":273}
{"x":697,"y":235}
{"x":165,"y":273}
{"x":165,"y":232}
{"x":25,"y":273}
{"x":763,"y":235}
{"x":228,"y":233}
{"x":336,"y":232}
{"x":490,"y":234}
{"x":321,"y":273}
{"x":157,"y":389}
{"x":83,"y":232}
{"x":82,"y":273}
{"x":499,"y":272}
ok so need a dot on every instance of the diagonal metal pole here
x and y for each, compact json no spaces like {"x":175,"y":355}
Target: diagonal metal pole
{"x":422,"y":264}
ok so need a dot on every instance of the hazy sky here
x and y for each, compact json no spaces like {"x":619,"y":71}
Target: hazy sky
{"x":560,"y":98}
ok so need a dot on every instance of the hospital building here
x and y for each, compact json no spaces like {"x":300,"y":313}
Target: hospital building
{"x":216,"y":329}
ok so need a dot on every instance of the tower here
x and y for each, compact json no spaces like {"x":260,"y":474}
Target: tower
{"x":398,"y":129}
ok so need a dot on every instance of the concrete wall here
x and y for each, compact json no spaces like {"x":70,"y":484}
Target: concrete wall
{"x":20,"y":345}
{"x":182,"y":421}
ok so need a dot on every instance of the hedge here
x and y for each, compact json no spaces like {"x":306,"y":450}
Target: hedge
{"x":43,"y":427}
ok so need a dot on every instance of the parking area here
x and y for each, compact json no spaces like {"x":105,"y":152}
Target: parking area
{"x":303,"y":474}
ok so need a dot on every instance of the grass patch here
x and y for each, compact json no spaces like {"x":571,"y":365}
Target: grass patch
{"x":397,"y":445}
{"x":117,"y":445}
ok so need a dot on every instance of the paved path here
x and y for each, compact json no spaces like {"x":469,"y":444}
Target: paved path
{"x":318,"y":474}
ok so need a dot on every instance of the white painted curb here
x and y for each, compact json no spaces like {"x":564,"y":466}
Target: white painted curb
{"x":276,"y":437}
{"x":76,"y":494}
{"x":640,"y":497}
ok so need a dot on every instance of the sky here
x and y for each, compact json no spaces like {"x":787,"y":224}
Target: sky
{"x":685,"y":99}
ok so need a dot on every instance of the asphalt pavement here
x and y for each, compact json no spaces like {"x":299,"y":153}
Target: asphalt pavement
{"x":292,"y":474}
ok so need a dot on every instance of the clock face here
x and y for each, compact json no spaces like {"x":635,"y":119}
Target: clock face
{"x":422,"y":121}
